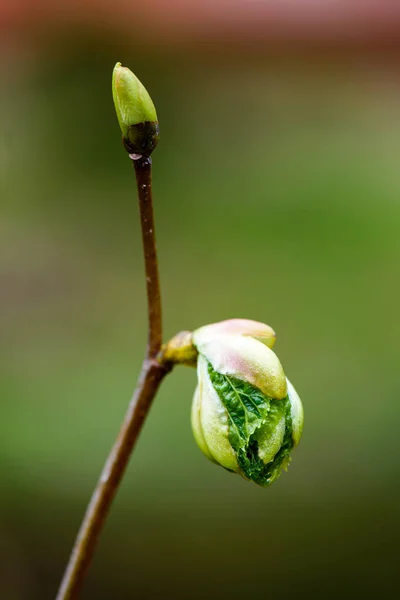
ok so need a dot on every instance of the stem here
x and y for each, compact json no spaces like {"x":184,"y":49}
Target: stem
{"x":142,"y":166}
{"x":152,"y":373}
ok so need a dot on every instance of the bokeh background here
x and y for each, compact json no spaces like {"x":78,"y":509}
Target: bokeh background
{"x":276,"y":186}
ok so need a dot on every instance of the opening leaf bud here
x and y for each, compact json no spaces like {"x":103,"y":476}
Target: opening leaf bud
{"x":136,"y":113}
{"x":246,"y":415}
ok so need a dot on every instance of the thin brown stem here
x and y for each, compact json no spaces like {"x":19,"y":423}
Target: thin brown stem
{"x":142,"y":166}
{"x":152,"y":373}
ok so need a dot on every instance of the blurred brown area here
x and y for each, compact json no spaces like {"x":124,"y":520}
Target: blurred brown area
{"x":277,"y":198}
{"x":370,"y":23}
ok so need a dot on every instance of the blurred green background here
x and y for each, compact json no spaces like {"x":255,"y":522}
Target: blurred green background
{"x":276,"y":186}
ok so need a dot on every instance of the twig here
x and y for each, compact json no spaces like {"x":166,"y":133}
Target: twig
{"x":142,"y":166}
{"x":152,"y":373}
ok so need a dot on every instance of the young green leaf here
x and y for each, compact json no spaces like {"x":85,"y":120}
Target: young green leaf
{"x":260,"y":428}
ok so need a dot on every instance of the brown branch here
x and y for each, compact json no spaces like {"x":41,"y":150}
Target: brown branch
{"x":152,"y":373}
{"x":142,"y":166}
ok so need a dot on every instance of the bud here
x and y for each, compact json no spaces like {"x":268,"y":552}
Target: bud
{"x":135,"y":110}
{"x":246,"y":416}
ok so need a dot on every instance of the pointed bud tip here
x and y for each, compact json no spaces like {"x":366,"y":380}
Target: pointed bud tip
{"x":135,"y":111}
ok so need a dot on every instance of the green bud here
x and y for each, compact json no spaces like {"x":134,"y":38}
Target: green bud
{"x":135,"y":110}
{"x":246,"y":415}
{"x":180,"y":350}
